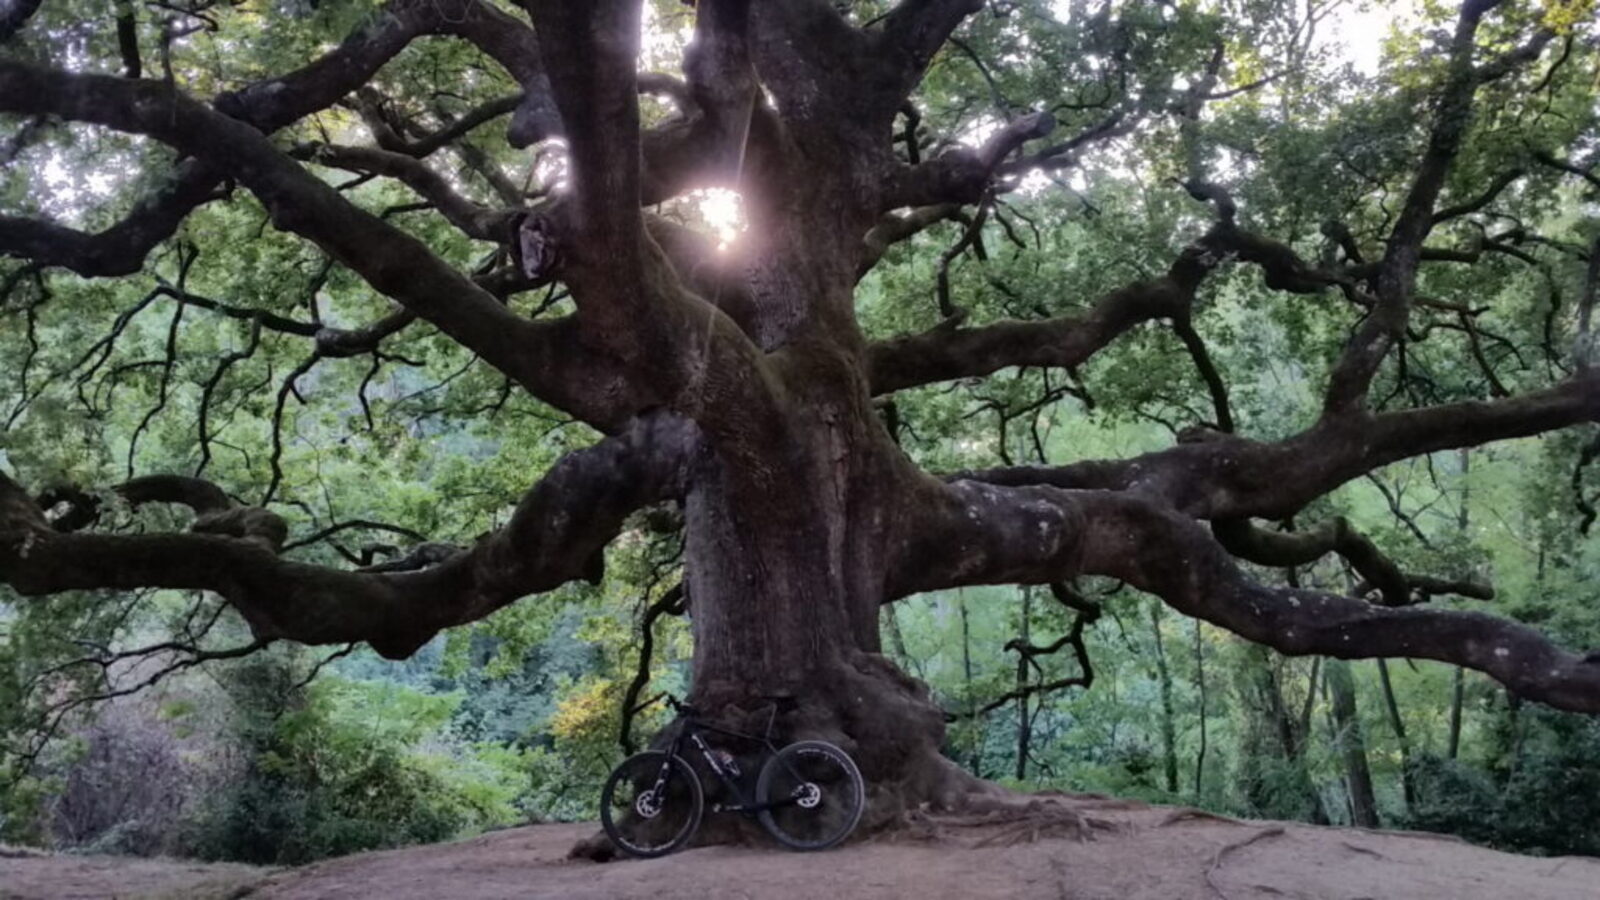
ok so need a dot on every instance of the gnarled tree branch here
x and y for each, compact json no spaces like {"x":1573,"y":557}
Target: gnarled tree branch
{"x":556,"y":534}
{"x":1040,"y":534}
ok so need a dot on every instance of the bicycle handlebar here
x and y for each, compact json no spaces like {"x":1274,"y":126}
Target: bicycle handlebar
{"x":682,"y":709}
{"x":780,"y":702}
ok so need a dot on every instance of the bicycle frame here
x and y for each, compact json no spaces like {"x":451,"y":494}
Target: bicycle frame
{"x":691,"y":734}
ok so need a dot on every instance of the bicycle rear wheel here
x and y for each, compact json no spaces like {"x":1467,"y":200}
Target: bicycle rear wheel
{"x":822,"y":794}
{"x":651,"y":804}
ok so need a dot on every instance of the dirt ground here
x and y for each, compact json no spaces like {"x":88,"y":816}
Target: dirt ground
{"x":1135,"y":852}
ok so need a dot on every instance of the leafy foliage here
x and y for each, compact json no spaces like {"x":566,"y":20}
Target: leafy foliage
{"x":517,"y":717}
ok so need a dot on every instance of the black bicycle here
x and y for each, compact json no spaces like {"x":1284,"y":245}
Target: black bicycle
{"x":809,"y":795}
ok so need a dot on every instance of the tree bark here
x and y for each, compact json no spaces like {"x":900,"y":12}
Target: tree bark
{"x":785,"y":598}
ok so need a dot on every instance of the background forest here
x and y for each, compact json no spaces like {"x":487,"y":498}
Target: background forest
{"x":289,"y":754}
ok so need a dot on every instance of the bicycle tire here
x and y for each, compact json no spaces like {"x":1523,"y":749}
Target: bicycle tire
{"x":816,"y":771}
{"x":647,"y":826}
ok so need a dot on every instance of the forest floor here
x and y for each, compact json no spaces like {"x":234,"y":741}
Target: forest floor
{"x":1133,"y":851}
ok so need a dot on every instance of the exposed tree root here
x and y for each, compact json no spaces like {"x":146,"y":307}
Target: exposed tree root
{"x":1216,"y":861}
{"x":1095,"y":801}
{"x":1400,"y":832}
{"x":1006,"y":819}
{"x":1019,"y":818}
{"x":1190,"y":814}
{"x":1356,"y":848}
{"x":595,"y":848}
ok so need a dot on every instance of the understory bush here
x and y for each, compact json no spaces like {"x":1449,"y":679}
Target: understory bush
{"x":345,"y":766}
{"x":1542,"y":796}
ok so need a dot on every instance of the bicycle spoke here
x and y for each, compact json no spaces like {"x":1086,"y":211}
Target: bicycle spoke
{"x":651,"y":804}
{"x":818,"y":794}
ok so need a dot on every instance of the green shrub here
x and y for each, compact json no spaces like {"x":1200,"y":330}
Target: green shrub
{"x":1543,"y":798}
{"x":342,"y":767}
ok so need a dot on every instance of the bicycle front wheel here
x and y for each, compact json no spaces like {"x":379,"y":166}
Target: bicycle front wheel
{"x":651,"y":804}
{"x":816,"y":792}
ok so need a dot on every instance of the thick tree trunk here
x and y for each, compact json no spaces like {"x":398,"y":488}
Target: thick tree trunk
{"x":785,"y":572}
{"x":764,"y":629}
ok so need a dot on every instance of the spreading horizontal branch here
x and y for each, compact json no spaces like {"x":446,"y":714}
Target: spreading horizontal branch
{"x":962,"y":174}
{"x":430,"y":143}
{"x":1035,"y":535}
{"x":1284,"y":549}
{"x":1233,"y":477}
{"x":473,"y":220}
{"x":542,"y":357}
{"x":122,"y":248}
{"x":944,"y":352}
{"x":274,"y":103}
{"x":556,"y":534}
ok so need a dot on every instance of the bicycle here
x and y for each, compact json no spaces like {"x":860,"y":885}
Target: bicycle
{"x":809,"y":795}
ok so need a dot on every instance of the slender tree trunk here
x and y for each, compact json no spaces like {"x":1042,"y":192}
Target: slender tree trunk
{"x":975,"y":761}
{"x":1292,"y":737}
{"x":1518,"y":730}
{"x":897,"y":638}
{"x":1458,"y":683}
{"x":1333,"y":739}
{"x":1024,"y":720}
{"x":1169,"y":731}
{"x":1463,"y":522}
{"x":1311,"y":698}
{"x":1200,"y":683}
{"x":1352,"y":745}
{"x":1407,"y":782}
{"x":1295,"y":733}
{"x":1319,"y":809}
{"x":1271,"y":731}
{"x":1457,"y":693}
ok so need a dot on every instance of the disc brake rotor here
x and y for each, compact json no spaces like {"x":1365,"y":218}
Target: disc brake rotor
{"x":647,"y":805}
{"x":808,"y":795}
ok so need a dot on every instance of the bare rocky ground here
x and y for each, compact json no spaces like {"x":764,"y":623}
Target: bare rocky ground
{"x":1132,"y":852}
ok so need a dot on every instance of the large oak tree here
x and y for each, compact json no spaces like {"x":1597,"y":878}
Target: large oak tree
{"x":735,"y":391}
